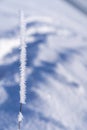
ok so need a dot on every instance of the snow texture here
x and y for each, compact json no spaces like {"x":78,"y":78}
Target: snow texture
{"x":56,"y":70}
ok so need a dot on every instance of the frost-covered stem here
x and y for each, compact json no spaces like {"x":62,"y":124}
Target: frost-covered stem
{"x":22,"y":68}
{"x":22,"y":61}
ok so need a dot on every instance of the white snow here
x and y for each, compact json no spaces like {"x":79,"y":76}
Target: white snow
{"x":57,"y":101}
{"x":3,"y":94}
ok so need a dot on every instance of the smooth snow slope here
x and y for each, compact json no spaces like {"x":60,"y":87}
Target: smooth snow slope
{"x":79,"y":4}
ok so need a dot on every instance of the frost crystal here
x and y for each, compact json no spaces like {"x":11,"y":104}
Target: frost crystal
{"x":20,"y":117}
{"x":23,"y":62}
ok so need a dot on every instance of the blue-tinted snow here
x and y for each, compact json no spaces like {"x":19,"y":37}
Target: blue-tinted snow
{"x":56,"y":65}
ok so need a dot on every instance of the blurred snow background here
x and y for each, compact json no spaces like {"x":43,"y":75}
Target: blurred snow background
{"x":56,"y":64}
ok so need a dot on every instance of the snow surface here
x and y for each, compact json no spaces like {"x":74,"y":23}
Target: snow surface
{"x":56,"y":39}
